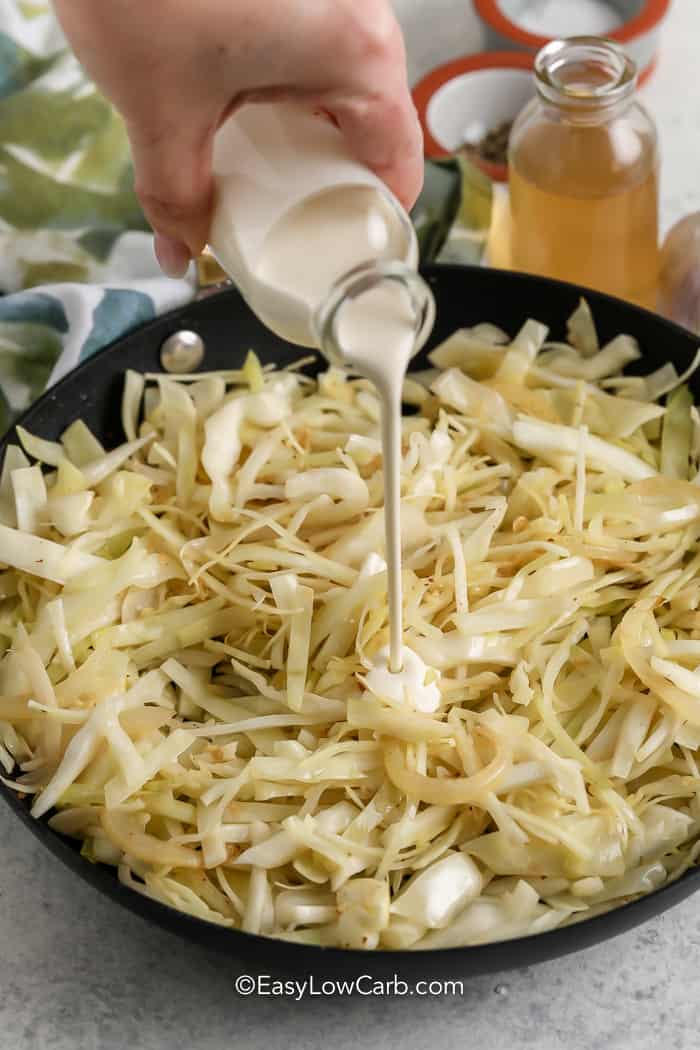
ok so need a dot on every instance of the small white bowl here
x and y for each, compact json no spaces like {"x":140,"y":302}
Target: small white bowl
{"x":639,"y":32}
{"x":473,"y":95}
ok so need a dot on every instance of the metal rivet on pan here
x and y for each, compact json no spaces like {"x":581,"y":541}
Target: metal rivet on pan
{"x":182,"y":352}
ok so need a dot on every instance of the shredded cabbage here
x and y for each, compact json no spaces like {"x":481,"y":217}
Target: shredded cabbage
{"x":187,"y":623}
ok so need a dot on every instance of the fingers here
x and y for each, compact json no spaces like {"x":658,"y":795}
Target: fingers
{"x":175,"y":186}
{"x":173,"y":256}
{"x":384,"y":133}
{"x":372,"y":103}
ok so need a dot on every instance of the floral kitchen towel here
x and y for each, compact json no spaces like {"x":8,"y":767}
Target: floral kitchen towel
{"x":77,"y":267}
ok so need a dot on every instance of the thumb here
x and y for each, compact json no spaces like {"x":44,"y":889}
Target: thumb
{"x":173,"y":169}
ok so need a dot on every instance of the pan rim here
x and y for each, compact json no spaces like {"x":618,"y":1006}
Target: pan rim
{"x":491,"y":957}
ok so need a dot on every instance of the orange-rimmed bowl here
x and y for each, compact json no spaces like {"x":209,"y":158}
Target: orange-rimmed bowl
{"x":639,"y":32}
{"x":475,"y":92}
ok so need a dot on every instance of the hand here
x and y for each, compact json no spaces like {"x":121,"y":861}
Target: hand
{"x":177,"y":68}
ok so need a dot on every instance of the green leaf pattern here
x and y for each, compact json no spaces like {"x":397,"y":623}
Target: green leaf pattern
{"x":71,"y":227}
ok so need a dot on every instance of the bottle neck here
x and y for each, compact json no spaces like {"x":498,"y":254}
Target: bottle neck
{"x":586,"y":80}
{"x":361,"y":282}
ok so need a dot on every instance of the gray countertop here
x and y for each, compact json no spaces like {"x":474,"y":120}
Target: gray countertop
{"x":78,"y":973}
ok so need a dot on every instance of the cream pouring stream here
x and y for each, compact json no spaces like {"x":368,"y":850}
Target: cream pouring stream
{"x":377,"y":336}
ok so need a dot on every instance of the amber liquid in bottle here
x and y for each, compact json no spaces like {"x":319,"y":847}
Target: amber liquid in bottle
{"x":584,"y":197}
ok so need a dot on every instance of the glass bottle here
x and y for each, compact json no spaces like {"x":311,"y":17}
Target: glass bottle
{"x":584,"y":173}
{"x":305,"y":230}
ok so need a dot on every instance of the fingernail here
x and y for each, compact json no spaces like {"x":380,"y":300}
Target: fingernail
{"x":173,"y":256}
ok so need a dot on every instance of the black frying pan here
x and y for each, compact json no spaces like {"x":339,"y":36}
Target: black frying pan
{"x":465,"y":296}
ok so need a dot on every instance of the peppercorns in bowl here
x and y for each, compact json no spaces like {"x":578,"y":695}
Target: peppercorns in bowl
{"x":489,"y":150}
{"x":469,"y":106}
